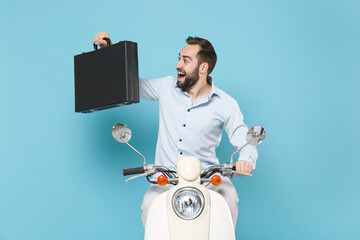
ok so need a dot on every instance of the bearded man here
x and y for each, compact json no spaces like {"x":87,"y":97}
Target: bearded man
{"x":193,"y":115}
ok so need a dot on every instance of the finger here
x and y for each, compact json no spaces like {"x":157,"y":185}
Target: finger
{"x":100,"y":34}
{"x":239,"y":169}
{"x":243,"y":167}
{"x":247,"y":168}
{"x":97,"y":38}
{"x":103,"y":43}
{"x":250,"y":168}
{"x":103,"y":35}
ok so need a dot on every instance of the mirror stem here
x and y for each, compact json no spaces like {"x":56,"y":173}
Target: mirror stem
{"x":136,"y":152}
{"x":231,"y":160}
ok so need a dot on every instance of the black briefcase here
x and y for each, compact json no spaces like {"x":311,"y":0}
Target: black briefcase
{"x":107,"y":77}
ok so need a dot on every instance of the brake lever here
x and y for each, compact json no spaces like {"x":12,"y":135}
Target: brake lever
{"x":242,"y":173}
{"x":137,"y":176}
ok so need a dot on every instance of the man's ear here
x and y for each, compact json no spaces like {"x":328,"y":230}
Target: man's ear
{"x":204,"y":67}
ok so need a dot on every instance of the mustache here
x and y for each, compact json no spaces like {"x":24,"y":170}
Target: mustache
{"x":181,"y":70}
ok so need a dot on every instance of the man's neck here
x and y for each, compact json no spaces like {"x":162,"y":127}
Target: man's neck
{"x":200,"y":89}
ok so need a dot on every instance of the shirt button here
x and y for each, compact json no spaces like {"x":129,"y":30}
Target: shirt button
{"x":180,"y":140}
{"x":180,"y":153}
{"x":184,"y":125}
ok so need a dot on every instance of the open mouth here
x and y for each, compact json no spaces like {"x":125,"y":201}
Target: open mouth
{"x":181,"y":76}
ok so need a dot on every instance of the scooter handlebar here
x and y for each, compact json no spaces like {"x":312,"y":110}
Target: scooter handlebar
{"x":131,"y":171}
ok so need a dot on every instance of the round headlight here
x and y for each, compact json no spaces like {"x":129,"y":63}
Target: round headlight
{"x":188,"y":203}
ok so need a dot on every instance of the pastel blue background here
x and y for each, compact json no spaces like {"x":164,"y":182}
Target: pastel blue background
{"x":293,"y":67}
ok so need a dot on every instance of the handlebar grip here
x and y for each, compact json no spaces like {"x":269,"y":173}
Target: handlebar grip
{"x":234,"y":168}
{"x":131,"y":171}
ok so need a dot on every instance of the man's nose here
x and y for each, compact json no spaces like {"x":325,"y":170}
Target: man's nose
{"x":178,"y":65}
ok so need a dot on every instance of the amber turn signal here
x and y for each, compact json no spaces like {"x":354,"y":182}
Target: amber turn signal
{"x":216,"y":180}
{"x":162,"y":180}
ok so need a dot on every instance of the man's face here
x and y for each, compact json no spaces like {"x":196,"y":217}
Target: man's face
{"x":188,"y":67}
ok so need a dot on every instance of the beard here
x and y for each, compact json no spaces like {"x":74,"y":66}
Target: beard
{"x":190,"y":79}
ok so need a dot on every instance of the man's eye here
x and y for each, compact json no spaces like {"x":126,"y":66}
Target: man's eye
{"x":186,"y":61}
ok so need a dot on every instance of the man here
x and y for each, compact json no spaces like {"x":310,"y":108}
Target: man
{"x":193,"y":115}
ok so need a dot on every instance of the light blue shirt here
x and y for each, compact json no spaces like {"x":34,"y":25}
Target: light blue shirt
{"x":195,"y":130}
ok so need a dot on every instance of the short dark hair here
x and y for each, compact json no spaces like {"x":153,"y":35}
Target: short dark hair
{"x":206,"y":53}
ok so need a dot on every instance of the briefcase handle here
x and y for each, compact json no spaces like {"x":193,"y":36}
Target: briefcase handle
{"x":108,"y":41}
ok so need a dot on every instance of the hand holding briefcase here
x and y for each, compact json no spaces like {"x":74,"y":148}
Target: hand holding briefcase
{"x":107,"y":77}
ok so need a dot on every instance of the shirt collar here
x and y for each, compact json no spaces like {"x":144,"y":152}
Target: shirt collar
{"x":214,"y":90}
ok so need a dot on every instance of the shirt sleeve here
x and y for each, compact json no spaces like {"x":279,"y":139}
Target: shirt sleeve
{"x":151,"y":89}
{"x":237,"y":130}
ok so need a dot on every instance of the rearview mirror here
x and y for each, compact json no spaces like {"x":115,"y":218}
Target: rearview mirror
{"x":255,"y":135}
{"x":121,"y":133}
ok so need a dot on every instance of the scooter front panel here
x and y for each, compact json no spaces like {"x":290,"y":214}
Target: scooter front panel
{"x":221,"y":223}
{"x":157,"y":221}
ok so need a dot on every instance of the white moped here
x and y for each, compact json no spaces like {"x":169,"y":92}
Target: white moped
{"x":188,"y":210}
